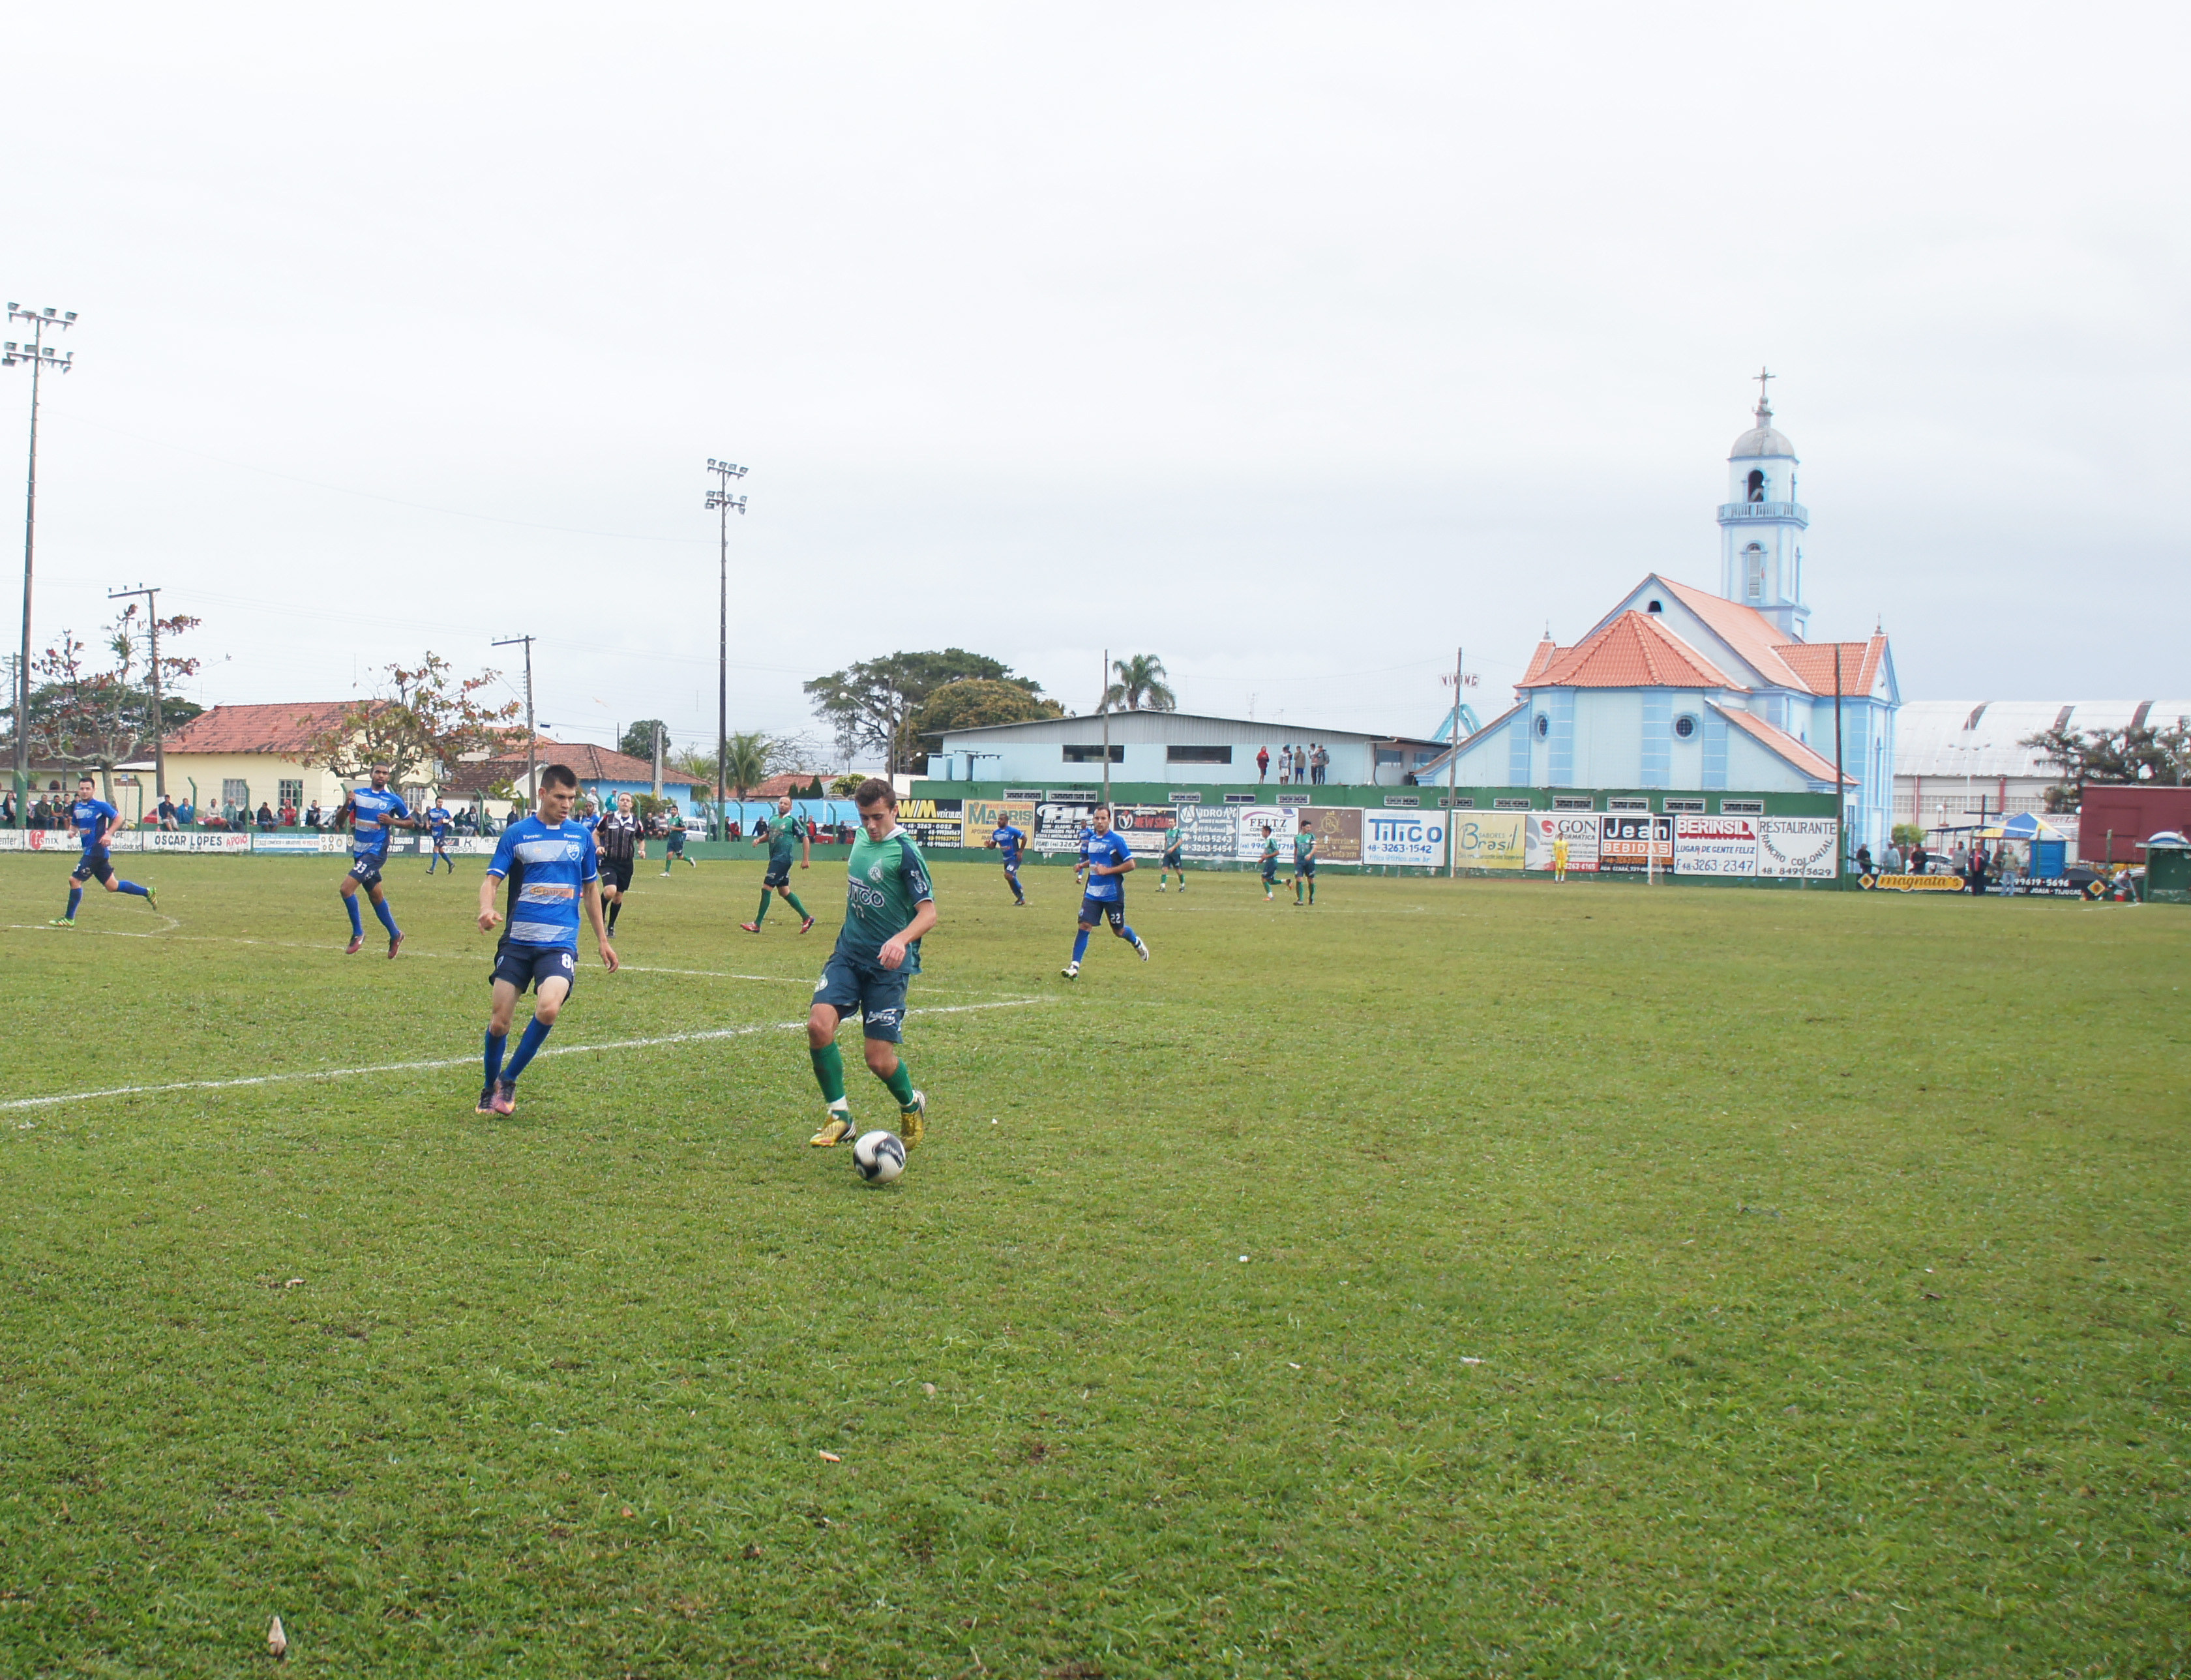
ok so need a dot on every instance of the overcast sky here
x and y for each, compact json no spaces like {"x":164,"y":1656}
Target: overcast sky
{"x":1293,"y":344}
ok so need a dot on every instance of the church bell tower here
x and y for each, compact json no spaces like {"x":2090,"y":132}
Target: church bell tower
{"x":1761,"y":524}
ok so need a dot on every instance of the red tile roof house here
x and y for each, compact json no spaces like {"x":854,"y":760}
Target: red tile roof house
{"x":602,"y":772}
{"x":245,"y":756}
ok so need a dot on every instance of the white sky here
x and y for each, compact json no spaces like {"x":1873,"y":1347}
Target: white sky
{"x":1295,"y":345}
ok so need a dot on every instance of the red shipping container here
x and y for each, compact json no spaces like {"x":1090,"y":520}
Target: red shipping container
{"x":2113,"y":819}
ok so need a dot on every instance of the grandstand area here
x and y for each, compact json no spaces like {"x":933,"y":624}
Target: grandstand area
{"x":1440,"y":1280}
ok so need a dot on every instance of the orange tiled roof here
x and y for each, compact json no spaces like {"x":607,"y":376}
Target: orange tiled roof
{"x":1546,"y":650}
{"x":1781,"y":741}
{"x":282,"y":729}
{"x":1635,"y":650}
{"x":592,"y":764}
{"x":1749,"y":632}
{"x":1813,"y":662}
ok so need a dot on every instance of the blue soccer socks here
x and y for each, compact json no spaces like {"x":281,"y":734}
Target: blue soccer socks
{"x":356,"y":921}
{"x":1079,"y":947}
{"x":528,"y":1046}
{"x":495,"y":1042}
{"x":132,"y":889}
{"x":76,"y":897}
{"x":387,"y":917}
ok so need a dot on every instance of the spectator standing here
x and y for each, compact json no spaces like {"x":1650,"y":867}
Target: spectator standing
{"x":1262,"y":763}
{"x":1959,"y":860}
{"x":1977,"y":875}
{"x":1864,"y":860}
{"x":1921,"y":861}
{"x":312,"y":815}
{"x":1319,"y":765}
{"x":1301,"y":765}
{"x":1891,"y":859}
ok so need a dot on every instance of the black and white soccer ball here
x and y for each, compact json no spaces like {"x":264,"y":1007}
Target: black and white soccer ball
{"x":879,"y":1155}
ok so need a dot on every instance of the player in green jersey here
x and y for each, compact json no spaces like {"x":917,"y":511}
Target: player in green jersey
{"x":1303,"y":861}
{"x":781,"y":832}
{"x":888,"y":904}
{"x":1270,"y":862}
{"x":1171,"y":857}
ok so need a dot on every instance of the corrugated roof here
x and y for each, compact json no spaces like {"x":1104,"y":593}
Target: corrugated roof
{"x":1635,"y":650}
{"x":1781,"y":741}
{"x":1980,"y":738}
{"x":283,"y":729}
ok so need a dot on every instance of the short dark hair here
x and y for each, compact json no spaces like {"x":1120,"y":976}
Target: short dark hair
{"x":87,"y":776}
{"x":559,"y":775}
{"x":875,"y":790}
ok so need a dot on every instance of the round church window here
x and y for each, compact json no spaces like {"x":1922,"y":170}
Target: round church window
{"x":1544,"y":726}
{"x":1685,"y":725}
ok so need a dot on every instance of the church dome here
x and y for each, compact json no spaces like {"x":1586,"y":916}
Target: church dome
{"x":1760,"y":440}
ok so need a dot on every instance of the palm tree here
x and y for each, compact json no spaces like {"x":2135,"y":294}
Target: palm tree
{"x":745,"y":761}
{"x":1141,"y":686}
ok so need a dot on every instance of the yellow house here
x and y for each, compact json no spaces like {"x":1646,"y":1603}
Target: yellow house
{"x":244,"y":756}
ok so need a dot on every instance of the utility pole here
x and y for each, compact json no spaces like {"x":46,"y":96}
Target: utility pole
{"x":658,"y":761}
{"x":1840,"y":798}
{"x":1105,"y":708}
{"x":531,"y":794}
{"x":159,"y":709}
{"x":1451,"y":775}
{"x":40,"y":359}
{"x":719,"y":503}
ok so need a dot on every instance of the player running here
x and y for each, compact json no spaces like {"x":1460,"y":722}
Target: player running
{"x":780,"y":835}
{"x":674,"y":845}
{"x":1304,"y":861}
{"x":438,"y":819}
{"x":1011,"y":842}
{"x":1171,"y":855}
{"x":620,"y":837}
{"x":888,"y":904}
{"x":1107,"y":861}
{"x":375,"y":813}
{"x":1270,"y":863}
{"x":95,"y":821}
{"x":551,"y":863}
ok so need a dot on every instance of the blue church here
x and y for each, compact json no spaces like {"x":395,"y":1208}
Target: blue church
{"x":1681,"y":689}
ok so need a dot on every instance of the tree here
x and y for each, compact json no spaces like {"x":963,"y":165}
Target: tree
{"x":97,"y":719}
{"x":1141,"y":686}
{"x":874,"y":704}
{"x":638,"y":740}
{"x":2156,"y":753}
{"x":974,"y":702}
{"x":746,"y":761}
{"x":426,"y":718}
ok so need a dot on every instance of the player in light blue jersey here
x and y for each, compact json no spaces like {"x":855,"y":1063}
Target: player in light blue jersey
{"x":94,"y":820}
{"x":551,"y":866}
{"x":1106,"y":861}
{"x":1011,"y":842}
{"x":375,"y":813}
{"x":438,"y":819}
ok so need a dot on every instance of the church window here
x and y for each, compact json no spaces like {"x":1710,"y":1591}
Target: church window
{"x":1757,"y":484}
{"x":1685,"y":725}
{"x":1544,"y":726}
{"x":1656,"y":606}
{"x":1753,"y":570}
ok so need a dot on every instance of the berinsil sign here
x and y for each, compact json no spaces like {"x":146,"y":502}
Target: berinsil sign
{"x":1411,"y":839}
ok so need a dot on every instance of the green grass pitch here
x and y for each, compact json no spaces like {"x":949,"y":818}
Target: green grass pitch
{"x":1456,"y":1279}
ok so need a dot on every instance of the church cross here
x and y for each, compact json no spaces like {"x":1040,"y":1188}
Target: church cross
{"x":1762,"y":375}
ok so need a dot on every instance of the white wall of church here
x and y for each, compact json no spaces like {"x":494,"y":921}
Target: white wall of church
{"x":1608,"y":725}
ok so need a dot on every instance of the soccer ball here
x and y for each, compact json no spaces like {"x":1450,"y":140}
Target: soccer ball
{"x":879,"y":1156}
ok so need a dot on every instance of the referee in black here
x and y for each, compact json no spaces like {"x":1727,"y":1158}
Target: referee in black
{"x":620,"y":837}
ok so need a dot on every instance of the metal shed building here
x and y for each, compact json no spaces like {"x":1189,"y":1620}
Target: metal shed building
{"x":1182,"y":747}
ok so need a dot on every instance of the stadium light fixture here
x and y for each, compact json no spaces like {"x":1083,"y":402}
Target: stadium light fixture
{"x":39,"y":358}
{"x":720,"y":503}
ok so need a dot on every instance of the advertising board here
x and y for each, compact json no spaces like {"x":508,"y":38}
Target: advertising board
{"x":293,"y":843}
{"x":933,"y":821}
{"x":1208,"y":834}
{"x":1795,"y":846}
{"x":983,"y":817}
{"x":1412,"y":839}
{"x":1580,"y":829}
{"x":1629,"y":840}
{"x":1716,"y":845}
{"x":1248,"y":840}
{"x":1490,"y":840}
{"x":1338,"y":831}
{"x":1142,"y":827}
{"x":1058,"y":824}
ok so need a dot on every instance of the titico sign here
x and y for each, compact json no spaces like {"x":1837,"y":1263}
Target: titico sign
{"x":1410,"y":838}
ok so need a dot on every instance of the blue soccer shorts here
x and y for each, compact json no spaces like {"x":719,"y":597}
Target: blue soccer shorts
{"x":93,"y":864}
{"x":365,"y":871}
{"x":1093,"y":910}
{"x":524,"y":966}
{"x":878,"y":993}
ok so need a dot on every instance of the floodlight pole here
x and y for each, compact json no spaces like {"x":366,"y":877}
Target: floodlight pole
{"x":40,"y":359}
{"x":1451,"y":775}
{"x":1105,"y":708}
{"x":159,"y":709}
{"x":532,"y":792}
{"x":720,"y":502}
{"x":658,"y":761}
{"x":1841,"y":796}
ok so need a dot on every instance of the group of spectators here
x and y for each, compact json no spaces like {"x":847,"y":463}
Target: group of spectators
{"x":1302,"y":765}
{"x":1978,"y":868}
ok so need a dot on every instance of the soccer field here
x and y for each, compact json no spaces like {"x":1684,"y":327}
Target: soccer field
{"x":1455,"y":1279}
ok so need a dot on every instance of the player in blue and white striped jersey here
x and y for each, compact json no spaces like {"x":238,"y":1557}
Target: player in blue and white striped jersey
{"x":551,"y":866}
{"x":375,"y":813}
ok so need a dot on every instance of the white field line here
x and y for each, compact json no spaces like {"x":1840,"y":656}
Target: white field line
{"x":467,"y":1061}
